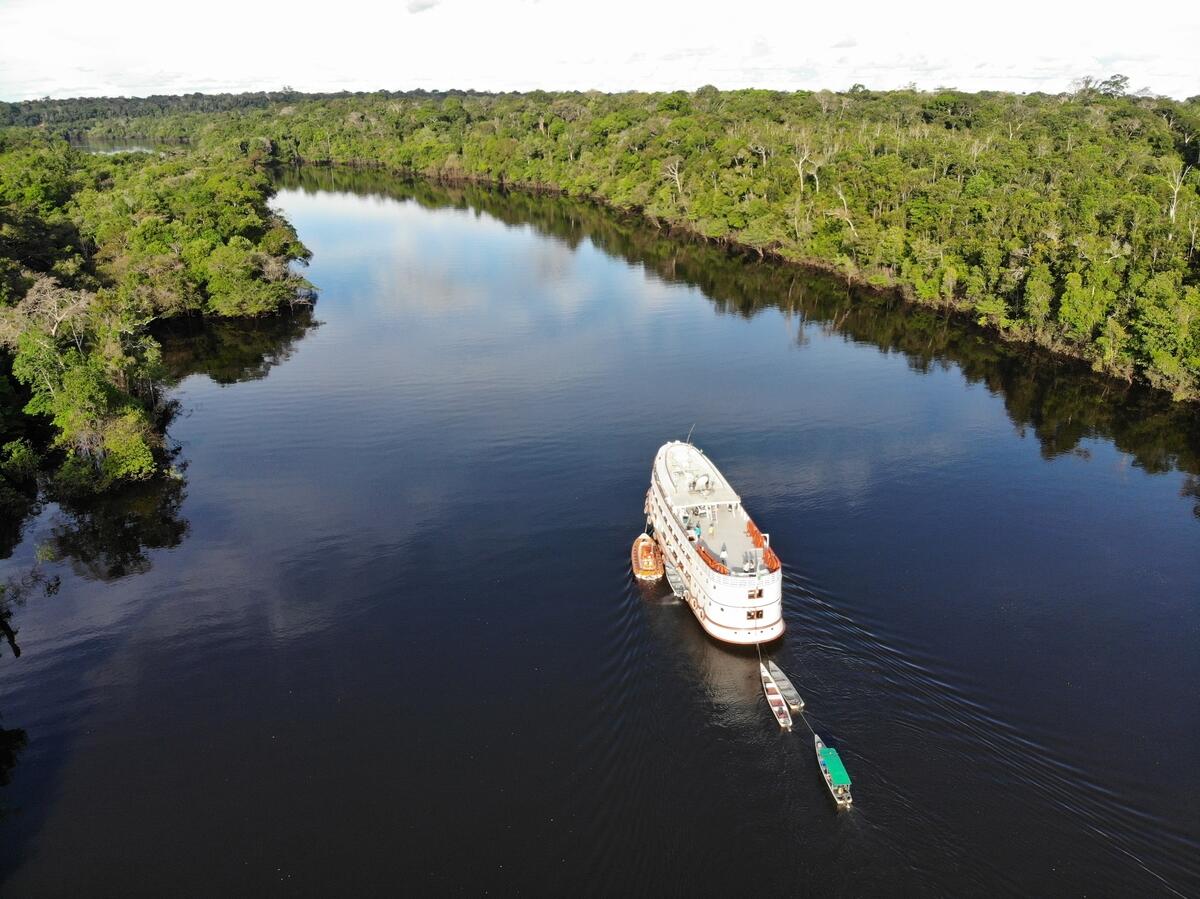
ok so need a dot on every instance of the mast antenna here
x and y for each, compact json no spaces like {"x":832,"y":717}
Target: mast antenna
{"x":689,"y":437}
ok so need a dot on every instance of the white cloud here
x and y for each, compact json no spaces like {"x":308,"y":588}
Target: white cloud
{"x":138,"y":47}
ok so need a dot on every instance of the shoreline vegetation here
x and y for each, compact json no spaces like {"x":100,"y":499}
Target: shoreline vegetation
{"x":1068,"y":222}
{"x":93,"y":251}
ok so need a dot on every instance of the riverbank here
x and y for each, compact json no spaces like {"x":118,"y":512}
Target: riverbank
{"x":96,"y":249}
{"x":1049,"y":220}
{"x":877,"y":283}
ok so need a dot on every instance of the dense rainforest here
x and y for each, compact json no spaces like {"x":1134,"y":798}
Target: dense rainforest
{"x":93,"y":251}
{"x":1070,"y":221}
{"x":81,"y":113}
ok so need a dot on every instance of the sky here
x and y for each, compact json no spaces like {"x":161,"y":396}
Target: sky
{"x":58,"y":48}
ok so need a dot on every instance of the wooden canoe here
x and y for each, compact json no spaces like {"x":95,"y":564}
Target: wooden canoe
{"x":779,"y":706}
{"x":789,"y":693}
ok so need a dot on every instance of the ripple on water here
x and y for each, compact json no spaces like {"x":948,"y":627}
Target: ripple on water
{"x":971,"y":739}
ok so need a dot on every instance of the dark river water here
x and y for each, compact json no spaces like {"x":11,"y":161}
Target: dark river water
{"x":379,"y":634}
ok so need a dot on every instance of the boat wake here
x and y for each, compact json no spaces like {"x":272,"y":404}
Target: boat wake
{"x":855,"y":675}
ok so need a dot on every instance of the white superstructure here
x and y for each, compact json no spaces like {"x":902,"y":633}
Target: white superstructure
{"x":732,"y":577}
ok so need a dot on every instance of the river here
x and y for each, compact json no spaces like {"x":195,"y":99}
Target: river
{"x":379,"y":633}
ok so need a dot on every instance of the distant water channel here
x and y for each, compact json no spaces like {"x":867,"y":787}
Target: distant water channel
{"x":380,"y":635}
{"x":102,"y":146}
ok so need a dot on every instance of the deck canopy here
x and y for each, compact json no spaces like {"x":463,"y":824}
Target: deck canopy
{"x":837,"y":771}
{"x":692,"y":480}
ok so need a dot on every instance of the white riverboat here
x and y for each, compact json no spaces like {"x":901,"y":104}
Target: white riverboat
{"x":732,"y":578}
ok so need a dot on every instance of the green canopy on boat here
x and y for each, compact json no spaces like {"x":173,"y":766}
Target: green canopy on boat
{"x":836,"y":769}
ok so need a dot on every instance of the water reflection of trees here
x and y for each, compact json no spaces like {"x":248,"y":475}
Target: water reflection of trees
{"x":13,"y":594}
{"x":114,"y":536}
{"x":12,"y":741}
{"x":15,"y":512}
{"x":230,"y":350}
{"x":110,"y":536}
{"x":1061,"y":403}
{"x":1191,"y":490}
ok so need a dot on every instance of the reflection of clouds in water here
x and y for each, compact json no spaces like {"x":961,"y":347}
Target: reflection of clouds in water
{"x":289,"y":602}
{"x":856,"y":469}
{"x":655,"y":294}
{"x":845,"y":467}
{"x":433,"y":289}
{"x":499,"y":297}
{"x":551,"y":260}
{"x":444,"y":261}
{"x":249,"y":579}
{"x":522,"y":314}
{"x":342,"y":206}
{"x":518,"y":276}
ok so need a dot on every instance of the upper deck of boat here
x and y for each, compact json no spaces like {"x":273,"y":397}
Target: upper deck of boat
{"x":702,"y":498}
{"x":689,"y":479}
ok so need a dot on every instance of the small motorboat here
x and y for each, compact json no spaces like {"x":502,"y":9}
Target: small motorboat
{"x":834,"y":773}
{"x":647,"y":559}
{"x":786,"y":690}
{"x":779,"y":706}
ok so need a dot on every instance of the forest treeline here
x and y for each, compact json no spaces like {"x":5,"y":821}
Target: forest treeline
{"x":1069,"y":221}
{"x":77,"y":114}
{"x":93,"y":250}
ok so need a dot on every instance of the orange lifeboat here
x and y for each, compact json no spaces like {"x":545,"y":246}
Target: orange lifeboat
{"x":647,"y":559}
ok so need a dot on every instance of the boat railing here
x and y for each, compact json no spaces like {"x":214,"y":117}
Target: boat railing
{"x":762,"y":541}
{"x":739,"y":578}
